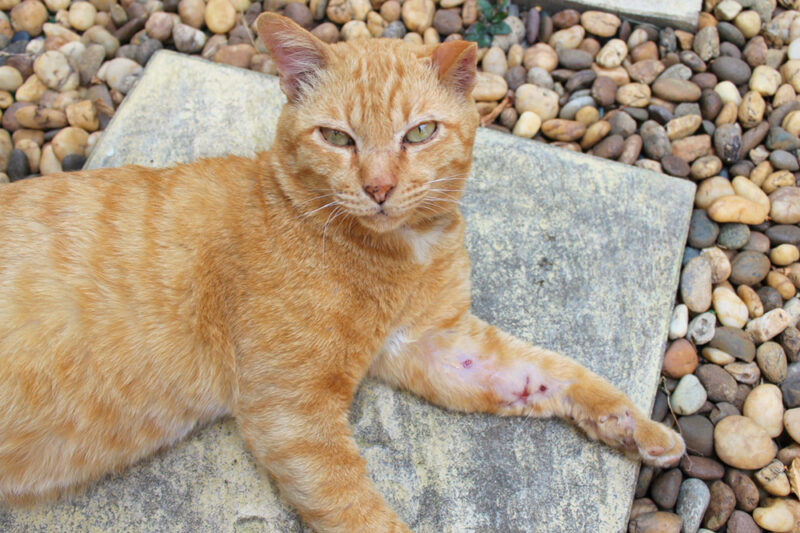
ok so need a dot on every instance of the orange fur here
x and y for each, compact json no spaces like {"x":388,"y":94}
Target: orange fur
{"x":138,"y":303}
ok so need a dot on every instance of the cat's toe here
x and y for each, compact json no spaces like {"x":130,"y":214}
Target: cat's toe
{"x":658,"y":445}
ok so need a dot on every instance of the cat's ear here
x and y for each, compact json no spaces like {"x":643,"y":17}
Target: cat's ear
{"x":456,"y":64}
{"x":298,"y":55}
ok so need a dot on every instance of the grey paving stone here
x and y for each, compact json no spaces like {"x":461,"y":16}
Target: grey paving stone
{"x":681,"y":14}
{"x":571,"y":252}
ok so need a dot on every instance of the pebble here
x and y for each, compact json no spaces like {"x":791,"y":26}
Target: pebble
{"x":742,"y":443}
{"x":446,"y":21}
{"x":18,"y":167}
{"x":749,"y":268}
{"x":688,"y":396}
{"x":737,"y":209}
{"x":658,"y":521}
{"x":73,"y":162}
{"x":769,"y":325}
{"x":540,"y":55}
{"x":188,"y":39}
{"x":776,"y":517}
{"x":490,"y":87}
{"x":765,"y":80}
{"x":692,"y":147}
{"x":698,"y":432}
{"x":701,"y":328}
{"x":773,"y":479}
{"x":741,"y":522}
{"x":656,"y":143}
{"x":494,"y":61}
{"x":665,"y":487}
{"x":731,"y":311}
{"x":594,"y":133}
{"x":693,"y":499}
{"x":718,"y":383}
{"x":735,"y":342}
{"x":604,"y":91}
{"x":542,"y":101}
{"x":69,"y":140}
{"x":785,"y":205}
{"x":706,"y":43}
{"x":610,"y":147}
{"x":527,"y":125}
{"x":679,"y":322}
{"x":701,"y":467}
{"x":791,"y":420}
{"x":680,"y":359}
{"x":682,"y":126}
{"x":676,"y":90}
{"x":695,"y":286}
{"x":720,"y":507}
{"x":790,"y":388}
{"x":744,"y":489}
{"x":563,"y":130}
{"x":675,"y":166}
{"x":783,"y":234}
{"x":220,"y":16}
{"x":733,"y":236}
{"x":612,"y":54}
{"x":764,"y":405}
{"x":567,"y":38}
{"x":600,"y":23}
{"x":54,"y":70}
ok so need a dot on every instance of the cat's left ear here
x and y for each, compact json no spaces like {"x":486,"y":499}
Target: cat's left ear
{"x":456,"y":64}
{"x":299,"y":56}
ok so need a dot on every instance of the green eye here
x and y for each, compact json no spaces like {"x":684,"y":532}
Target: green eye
{"x":336,"y":137}
{"x":421,"y":132}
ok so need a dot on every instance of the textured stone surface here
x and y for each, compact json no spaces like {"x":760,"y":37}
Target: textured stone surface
{"x":676,"y":13}
{"x":582,"y":257}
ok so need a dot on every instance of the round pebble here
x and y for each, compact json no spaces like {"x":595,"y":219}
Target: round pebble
{"x":688,"y":396}
{"x":742,"y":443}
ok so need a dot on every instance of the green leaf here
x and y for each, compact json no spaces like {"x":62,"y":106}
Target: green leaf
{"x":474,"y":32}
{"x":484,"y":41}
{"x":500,"y":28}
{"x":485,"y":7}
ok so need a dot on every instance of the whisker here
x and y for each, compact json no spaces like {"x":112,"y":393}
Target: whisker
{"x":335,"y":202}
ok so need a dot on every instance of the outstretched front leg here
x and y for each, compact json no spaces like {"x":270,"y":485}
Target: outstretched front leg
{"x":472,"y":366}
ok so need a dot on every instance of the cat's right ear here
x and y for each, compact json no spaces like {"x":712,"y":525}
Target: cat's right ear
{"x":456,"y":63}
{"x":298,"y":55}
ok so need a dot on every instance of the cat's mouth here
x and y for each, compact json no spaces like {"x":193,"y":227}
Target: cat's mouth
{"x":381,"y":221}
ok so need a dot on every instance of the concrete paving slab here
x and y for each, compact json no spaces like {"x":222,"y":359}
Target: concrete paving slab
{"x":571,"y":252}
{"x":681,"y":14}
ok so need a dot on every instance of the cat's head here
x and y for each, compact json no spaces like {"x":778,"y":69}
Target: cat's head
{"x":375,"y":130}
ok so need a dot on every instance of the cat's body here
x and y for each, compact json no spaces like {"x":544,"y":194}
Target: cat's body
{"x":137,"y":303}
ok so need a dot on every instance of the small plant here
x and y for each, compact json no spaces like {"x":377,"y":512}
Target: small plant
{"x":491,"y":21}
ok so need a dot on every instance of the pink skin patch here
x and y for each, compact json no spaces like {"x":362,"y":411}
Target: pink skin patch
{"x":519,"y":383}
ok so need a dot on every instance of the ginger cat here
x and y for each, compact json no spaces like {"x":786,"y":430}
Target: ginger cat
{"x":138,"y":304}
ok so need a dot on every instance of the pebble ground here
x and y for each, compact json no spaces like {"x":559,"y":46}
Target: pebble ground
{"x":718,"y":106}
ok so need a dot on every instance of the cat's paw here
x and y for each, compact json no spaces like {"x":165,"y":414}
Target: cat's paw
{"x":657,"y":444}
{"x":640,"y":437}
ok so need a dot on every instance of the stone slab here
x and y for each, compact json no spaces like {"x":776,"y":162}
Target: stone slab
{"x":680,"y":14}
{"x":571,"y":252}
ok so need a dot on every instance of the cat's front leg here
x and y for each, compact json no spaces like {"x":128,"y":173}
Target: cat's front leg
{"x":471,"y":366}
{"x":304,"y":441}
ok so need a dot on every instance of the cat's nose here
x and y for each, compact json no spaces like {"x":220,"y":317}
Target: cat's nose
{"x":379,"y":191}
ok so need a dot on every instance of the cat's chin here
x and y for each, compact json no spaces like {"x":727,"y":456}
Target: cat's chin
{"x":382,"y":223}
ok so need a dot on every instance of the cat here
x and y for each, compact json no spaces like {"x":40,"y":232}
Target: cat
{"x":138,"y":304}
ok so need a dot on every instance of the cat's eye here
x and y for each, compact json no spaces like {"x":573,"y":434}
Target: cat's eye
{"x":420,"y":132}
{"x":336,"y":137}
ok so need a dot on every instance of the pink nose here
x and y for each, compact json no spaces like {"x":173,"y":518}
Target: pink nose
{"x":378,"y":192}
